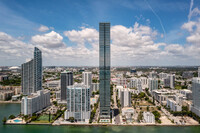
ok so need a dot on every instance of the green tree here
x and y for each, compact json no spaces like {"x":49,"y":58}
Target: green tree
{"x":11,"y":117}
{"x":55,"y":103}
{"x":71,"y":119}
{"x":157,"y":116}
{"x":147,"y":108}
{"x":4,"y":120}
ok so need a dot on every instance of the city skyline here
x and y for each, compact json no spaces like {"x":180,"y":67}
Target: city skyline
{"x":97,"y":63}
{"x":143,"y":33}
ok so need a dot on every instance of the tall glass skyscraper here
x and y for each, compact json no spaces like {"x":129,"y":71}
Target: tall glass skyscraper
{"x":66,"y":80}
{"x":37,"y":69}
{"x":27,"y":77}
{"x":104,"y":70}
{"x":31,"y":74}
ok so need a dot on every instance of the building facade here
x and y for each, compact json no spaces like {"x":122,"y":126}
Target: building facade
{"x":78,"y":102}
{"x":125,"y":97}
{"x":196,"y":96}
{"x":35,"y":102}
{"x":27,"y":77}
{"x":31,"y":74}
{"x":173,"y":105}
{"x":87,"y":78}
{"x":95,"y":87}
{"x":199,"y":72}
{"x":37,"y":69}
{"x":66,"y":80}
{"x":153,"y":84}
{"x":149,"y":117}
{"x":104,"y":68}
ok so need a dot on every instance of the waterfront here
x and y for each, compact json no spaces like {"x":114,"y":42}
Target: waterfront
{"x":7,"y":109}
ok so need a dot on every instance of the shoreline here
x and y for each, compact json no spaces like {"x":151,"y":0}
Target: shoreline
{"x":10,"y":102}
{"x":96,"y":125}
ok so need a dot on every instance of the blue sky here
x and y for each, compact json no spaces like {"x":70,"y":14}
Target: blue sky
{"x":21,"y":19}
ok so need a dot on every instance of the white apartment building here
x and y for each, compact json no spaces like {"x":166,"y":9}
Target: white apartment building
{"x":149,"y":117}
{"x":35,"y":102}
{"x":196,"y":96}
{"x":153,"y":84}
{"x":139,"y":83}
{"x":153,"y":74}
{"x":162,"y":75}
{"x":122,"y":82}
{"x":53,"y":84}
{"x":95,"y":87}
{"x":124,"y":95}
{"x":78,"y":102}
{"x":87,"y":78}
{"x":173,"y":105}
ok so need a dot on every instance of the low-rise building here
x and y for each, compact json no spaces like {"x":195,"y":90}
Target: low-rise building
{"x":58,"y":95}
{"x":55,"y":84}
{"x":16,"y":97}
{"x":95,"y":87}
{"x":149,"y":117}
{"x":6,"y":95}
{"x":128,"y":113}
{"x":187,"y":93}
{"x":3,"y":77}
{"x":173,"y":105}
{"x":35,"y":102}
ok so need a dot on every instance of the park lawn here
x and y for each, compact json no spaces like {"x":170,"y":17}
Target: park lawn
{"x":43,"y":119}
{"x":144,"y":103}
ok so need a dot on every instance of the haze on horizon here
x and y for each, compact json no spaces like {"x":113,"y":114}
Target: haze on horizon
{"x":143,"y":32}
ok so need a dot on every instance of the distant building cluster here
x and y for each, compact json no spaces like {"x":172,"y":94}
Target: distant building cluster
{"x":85,"y":95}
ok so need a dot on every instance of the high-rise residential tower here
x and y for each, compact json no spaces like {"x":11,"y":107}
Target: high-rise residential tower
{"x":153,"y":84}
{"x":78,"y":102}
{"x":27,"y":74}
{"x":87,"y":78}
{"x":104,"y":68}
{"x":37,"y":69}
{"x":66,"y":80}
{"x":31,"y":74}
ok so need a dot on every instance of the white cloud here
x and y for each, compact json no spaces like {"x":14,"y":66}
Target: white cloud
{"x":49,"y":40}
{"x":175,"y":49}
{"x":188,"y":26}
{"x":134,"y":36}
{"x":129,"y":46}
{"x":193,"y":12}
{"x":193,"y":27}
{"x":13,"y":51}
{"x":43,"y":28}
{"x":85,"y":35}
